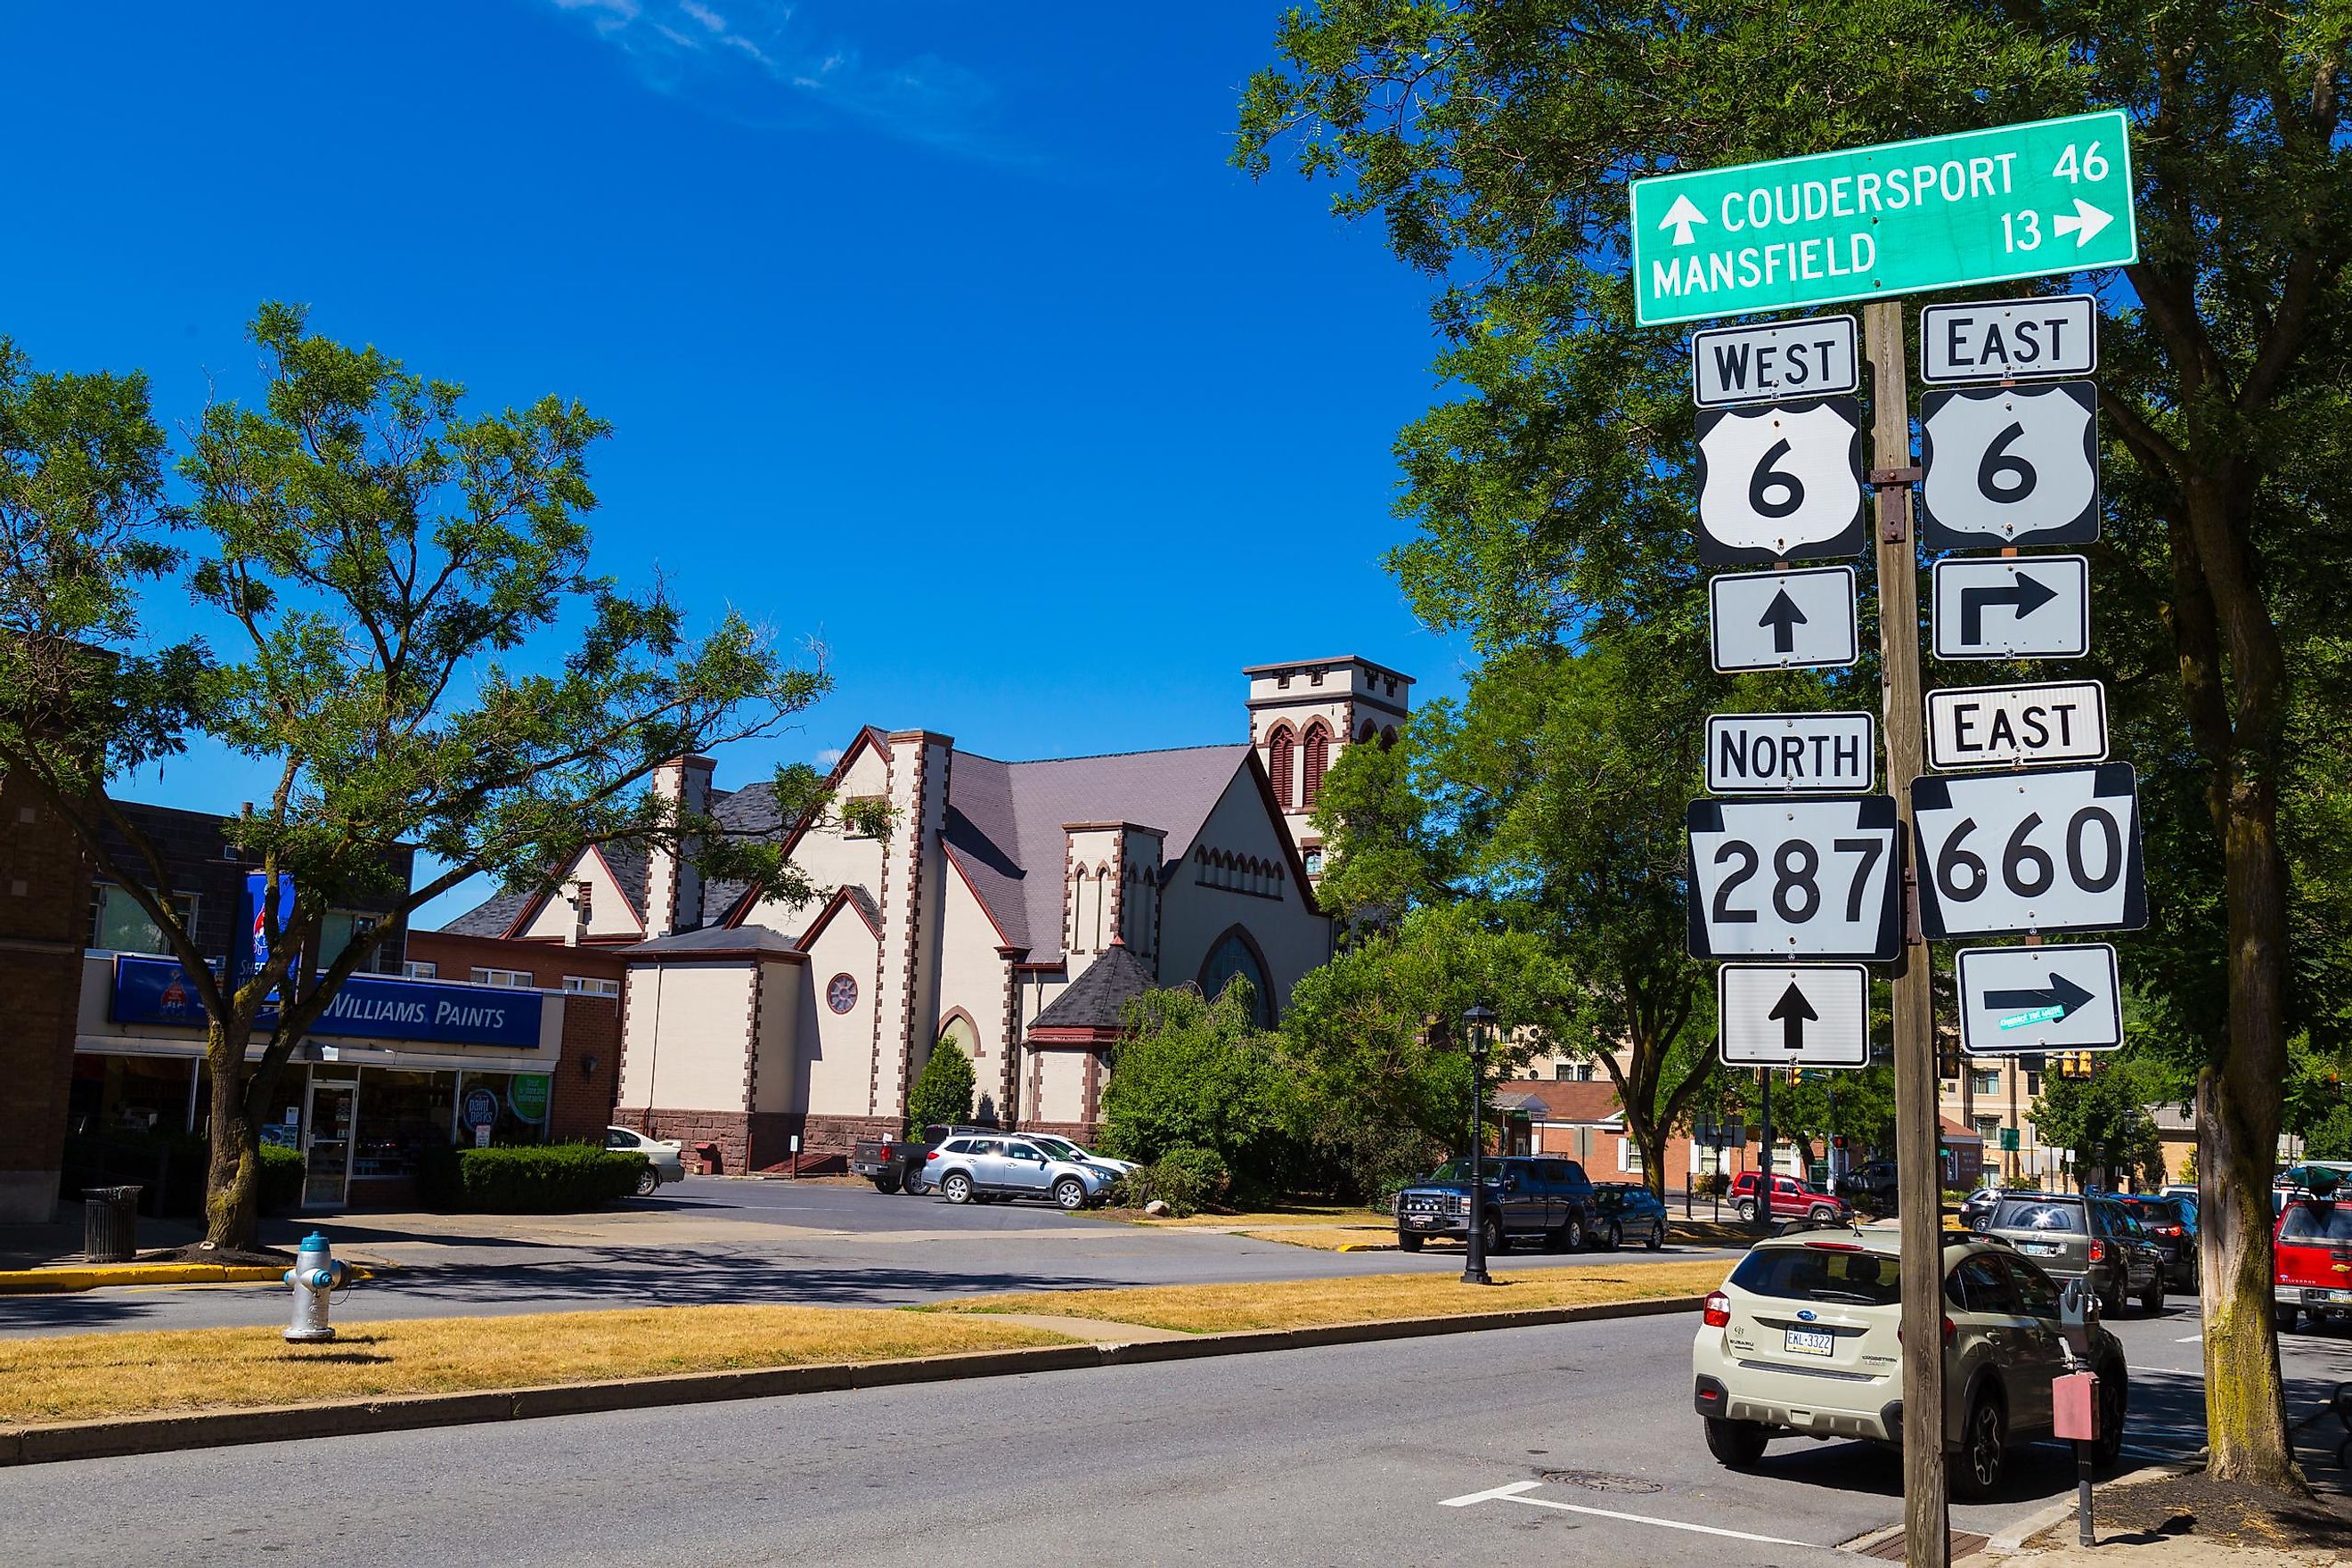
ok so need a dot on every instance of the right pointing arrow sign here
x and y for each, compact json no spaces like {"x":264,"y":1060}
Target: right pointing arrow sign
{"x":2036,"y":607}
{"x":2023,"y":597}
{"x":2016,"y":1000}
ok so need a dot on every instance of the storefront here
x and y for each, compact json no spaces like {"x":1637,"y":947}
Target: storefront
{"x":397,"y":1067}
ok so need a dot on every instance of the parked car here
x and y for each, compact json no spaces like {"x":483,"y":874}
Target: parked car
{"x":896,"y":1164}
{"x":1871,"y":1183}
{"x":999,"y":1167}
{"x":1976,"y":1208}
{"x":664,"y":1157}
{"x":2089,"y":1238}
{"x":1792,"y":1199}
{"x":1629,"y":1209}
{"x":1803,"y":1341}
{"x":2312,"y":1261}
{"x":1535,"y":1197}
{"x":1067,"y":1150}
{"x":2171,"y":1224}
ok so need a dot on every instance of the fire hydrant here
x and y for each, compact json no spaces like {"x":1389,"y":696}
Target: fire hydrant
{"x":316,"y":1272}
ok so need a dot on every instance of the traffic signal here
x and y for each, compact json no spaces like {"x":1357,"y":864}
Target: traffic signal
{"x":1837,"y":1140}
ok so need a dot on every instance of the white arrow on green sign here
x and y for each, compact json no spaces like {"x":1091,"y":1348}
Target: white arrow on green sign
{"x":1944,"y":212}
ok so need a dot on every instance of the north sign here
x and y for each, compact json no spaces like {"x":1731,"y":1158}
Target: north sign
{"x":1799,"y":877}
{"x":2016,"y":726}
{"x":1816,"y":358}
{"x":2032,"y":607}
{"x":2010,"y":465}
{"x":1793,"y":1015}
{"x":1782,"y":620}
{"x":1784,"y":754}
{"x":2008,"y":340}
{"x":1782,"y":482}
{"x":2020,"y":854}
{"x":1869,"y":223}
{"x":2021,"y":1001}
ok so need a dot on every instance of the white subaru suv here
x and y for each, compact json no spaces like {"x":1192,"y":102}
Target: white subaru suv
{"x":1804,"y":1340}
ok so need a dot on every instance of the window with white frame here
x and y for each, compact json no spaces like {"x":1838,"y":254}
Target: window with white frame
{"x":590,"y":986}
{"x":1629,"y":1156}
{"x":421,"y":969}
{"x":1984,"y":1080}
{"x":513,"y":979}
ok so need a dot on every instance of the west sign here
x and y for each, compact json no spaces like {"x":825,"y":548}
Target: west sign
{"x":1944,"y":212}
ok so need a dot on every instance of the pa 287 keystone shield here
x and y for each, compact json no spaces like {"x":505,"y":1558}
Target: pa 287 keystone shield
{"x":1780,"y":483}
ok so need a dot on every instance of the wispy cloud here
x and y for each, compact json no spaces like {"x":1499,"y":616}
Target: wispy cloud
{"x":758,"y":61}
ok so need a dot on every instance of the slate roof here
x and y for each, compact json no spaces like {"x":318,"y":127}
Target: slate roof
{"x":492,"y":916}
{"x":1098,"y":998}
{"x":712,"y":940}
{"x":1004,"y":821}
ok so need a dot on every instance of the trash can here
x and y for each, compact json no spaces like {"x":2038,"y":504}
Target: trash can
{"x":109,"y":1224}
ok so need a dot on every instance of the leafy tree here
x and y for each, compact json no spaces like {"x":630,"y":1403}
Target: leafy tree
{"x":1377,"y":1086}
{"x":1199,"y":1073}
{"x":1808,"y":1111}
{"x":943,"y":1090}
{"x":1494,"y":140}
{"x":374,"y":555}
{"x":2104,"y":1120}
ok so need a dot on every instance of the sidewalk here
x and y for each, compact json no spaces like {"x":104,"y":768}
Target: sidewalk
{"x":57,"y":1244}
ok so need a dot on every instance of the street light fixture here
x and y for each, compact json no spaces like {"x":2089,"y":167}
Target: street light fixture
{"x":1478,"y":1030}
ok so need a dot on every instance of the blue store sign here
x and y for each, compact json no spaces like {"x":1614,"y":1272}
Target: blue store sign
{"x":368,"y":1007}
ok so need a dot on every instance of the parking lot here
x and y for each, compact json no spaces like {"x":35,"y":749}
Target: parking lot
{"x":718,"y":1240}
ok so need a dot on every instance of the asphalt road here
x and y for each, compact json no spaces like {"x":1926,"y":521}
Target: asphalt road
{"x":707,"y":1241}
{"x":1343,"y":1455}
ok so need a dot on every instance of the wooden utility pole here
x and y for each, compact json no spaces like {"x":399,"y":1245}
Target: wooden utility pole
{"x":1919,"y":1187}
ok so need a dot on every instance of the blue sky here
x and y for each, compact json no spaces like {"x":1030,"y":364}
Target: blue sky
{"x":939,"y":331}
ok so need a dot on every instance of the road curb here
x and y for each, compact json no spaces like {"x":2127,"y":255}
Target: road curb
{"x":2012,"y":1541}
{"x":132,"y":1434}
{"x":44,"y":1281}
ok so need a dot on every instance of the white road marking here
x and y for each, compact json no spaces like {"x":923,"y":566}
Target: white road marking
{"x":1516,"y":1492}
{"x":2190,"y":1340}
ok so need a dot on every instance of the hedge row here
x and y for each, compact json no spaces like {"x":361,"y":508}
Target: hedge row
{"x":552,"y":1178}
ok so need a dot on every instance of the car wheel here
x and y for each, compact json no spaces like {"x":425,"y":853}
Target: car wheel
{"x":1491,"y":1233}
{"x":1819,"y":1212}
{"x":2151,"y":1300}
{"x":1070,"y":1193}
{"x":1572,"y":1233}
{"x":648,"y":1182}
{"x":2283,"y":1318}
{"x":1658,"y":1236}
{"x":2114,"y":1404}
{"x":1984,"y":1447}
{"x":1747,"y":1212}
{"x":885,"y":1183}
{"x":1736,"y":1445}
{"x":1408,"y":1242}
{"x":956,"y":1188}
{"x":1615,"y":1241}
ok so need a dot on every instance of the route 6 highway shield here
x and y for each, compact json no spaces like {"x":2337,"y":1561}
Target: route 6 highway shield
{"x":1780,"y":483}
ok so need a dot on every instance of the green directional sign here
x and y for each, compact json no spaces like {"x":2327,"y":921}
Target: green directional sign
{"x":1908,"y":218}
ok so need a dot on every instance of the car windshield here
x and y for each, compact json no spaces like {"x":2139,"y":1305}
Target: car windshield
{"x":1459,"y":1171}
{"x":2038,"y":1213}
{"x":1821,"y":1274}
{"x":2317,"y":1222}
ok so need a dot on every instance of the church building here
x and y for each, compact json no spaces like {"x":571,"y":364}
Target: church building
{"x":1013,"y":908}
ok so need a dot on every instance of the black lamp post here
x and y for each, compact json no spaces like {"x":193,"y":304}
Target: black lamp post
{"x":1478,"y":1027}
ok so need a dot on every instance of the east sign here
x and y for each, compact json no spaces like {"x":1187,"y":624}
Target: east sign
{"x":1904,"y":217}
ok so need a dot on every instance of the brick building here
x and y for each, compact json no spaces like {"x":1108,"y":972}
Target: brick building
{"x":44,"y":888}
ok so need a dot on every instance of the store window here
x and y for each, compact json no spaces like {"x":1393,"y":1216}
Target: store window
{"x":119,"y":925}
{"x":516,"y":1104}
{"x":116,"y":1095}
{"x":340,"y":929}
{"x":421,"y":969}
{"x":401,"y":1114}
{"x":590,"y":986}
{"x":513,"y":979}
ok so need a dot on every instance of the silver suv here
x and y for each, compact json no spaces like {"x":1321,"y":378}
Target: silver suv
{"x":1803,"y":1341}
{"x":996,"y":1169}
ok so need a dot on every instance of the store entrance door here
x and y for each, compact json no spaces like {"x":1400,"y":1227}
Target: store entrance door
{"x":329,"y":1115}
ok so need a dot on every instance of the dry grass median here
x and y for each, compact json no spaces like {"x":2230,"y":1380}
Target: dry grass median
{"x":1355,"y":1299}
{"x":80,"y":1377}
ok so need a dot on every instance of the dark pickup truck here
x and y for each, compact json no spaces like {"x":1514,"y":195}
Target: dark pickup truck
{"x":1538,"y":1198}
{"x":896,"y":1165}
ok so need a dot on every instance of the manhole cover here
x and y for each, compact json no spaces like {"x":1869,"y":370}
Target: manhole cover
{"x":1602,"y":1481}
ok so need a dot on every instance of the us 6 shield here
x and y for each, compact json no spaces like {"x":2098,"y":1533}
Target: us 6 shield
{"x":1807,"y":878}
{"x":1779,"y":483}
{"x":2010,"y":465}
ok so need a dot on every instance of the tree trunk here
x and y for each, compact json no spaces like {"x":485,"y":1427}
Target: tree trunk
{"x":1652,"y":1142}
{"x":2238,"y":1114}
{"x":233,"y":1180}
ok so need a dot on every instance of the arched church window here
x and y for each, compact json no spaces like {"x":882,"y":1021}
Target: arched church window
{"x":1233,"y":956}
{"x":1317,"y":749}
{"x":1278,"y":758}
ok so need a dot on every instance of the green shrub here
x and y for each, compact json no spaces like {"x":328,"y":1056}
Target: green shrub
{"x":1205,"y":1169}
{"x":551,"y":1178}
{"x":1186,"y":1179}
{"x":2019,"y":1182}
{"x":1713,"y":1185}
{"x":281,"y":1179}
{"x":943,"y":1090}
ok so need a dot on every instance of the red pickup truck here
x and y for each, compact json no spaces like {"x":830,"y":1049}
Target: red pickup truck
{"x":1792,"y":1199}
{"x":2311,"y":1252}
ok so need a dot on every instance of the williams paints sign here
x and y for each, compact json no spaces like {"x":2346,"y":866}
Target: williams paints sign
{"x":368,"y":1007}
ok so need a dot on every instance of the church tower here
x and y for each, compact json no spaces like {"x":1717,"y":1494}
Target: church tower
{"x":1303,"y":714}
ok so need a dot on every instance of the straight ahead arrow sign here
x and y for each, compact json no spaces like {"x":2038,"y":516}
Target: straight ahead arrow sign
{"x":2027,"y":594}
{"x":1793,"y":1012}
{"x":1783,"y":617}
